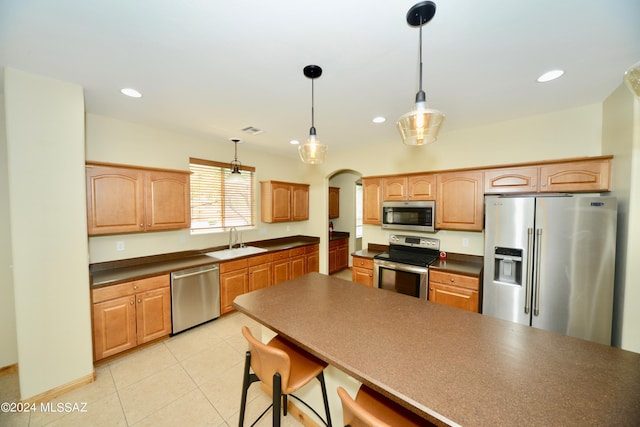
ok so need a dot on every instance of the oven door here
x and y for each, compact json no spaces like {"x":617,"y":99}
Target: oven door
{"x":402,"y":278}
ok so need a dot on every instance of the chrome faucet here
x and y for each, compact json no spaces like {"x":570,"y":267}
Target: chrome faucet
{"x":232,"y":240}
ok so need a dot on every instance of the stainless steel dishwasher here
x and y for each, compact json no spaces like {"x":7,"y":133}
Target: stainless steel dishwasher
{"x":195,"y":296}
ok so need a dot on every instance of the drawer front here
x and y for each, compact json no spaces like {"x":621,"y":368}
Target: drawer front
{"x":129,"y":288}
{"x":233,"y":265}
{"x":451,"y":279}
{"x":296,"y":252}
{"x":278,"y":256}
{"x":362,"y":262}
{"x":259,"y":259}
{"x":312,"y":248}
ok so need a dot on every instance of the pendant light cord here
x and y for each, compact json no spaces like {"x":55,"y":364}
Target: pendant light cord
{"x":420,"y":44}
{"x":312,"y":104}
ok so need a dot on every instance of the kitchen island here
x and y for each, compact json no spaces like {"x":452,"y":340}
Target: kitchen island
{"x":450,"y":366}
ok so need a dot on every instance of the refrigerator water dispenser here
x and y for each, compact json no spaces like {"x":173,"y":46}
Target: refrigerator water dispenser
{"x":508,"y":265}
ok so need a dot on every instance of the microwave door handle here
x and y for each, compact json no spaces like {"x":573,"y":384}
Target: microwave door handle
{"x":527,"y":289}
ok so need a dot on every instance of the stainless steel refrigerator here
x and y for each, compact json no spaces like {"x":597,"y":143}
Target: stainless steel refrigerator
{"x":549,"y":263}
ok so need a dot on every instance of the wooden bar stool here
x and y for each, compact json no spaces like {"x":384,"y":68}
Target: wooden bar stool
{"x":284,"y":368}
{"x":371,"y":409}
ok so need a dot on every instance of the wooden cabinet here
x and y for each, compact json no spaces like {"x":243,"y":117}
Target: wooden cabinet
{"x":312,"y":255}
{"x":362,"y":270}
{"x":569,"y":177}
{"x":128,"y":314}
{"x":234,"y":281}
{"x":421,"y":187}
{"x":394,"y":188}
{"x":284,"y":201}
{"x":280,"y":267}
{"x":259,"y":272}
{"x":578,"y":176}
{"x":334,"y":202}
{"x":338,"y":255}
{"x":125,"y":199}
{"x":455,"y":290}
{"x":371,"y":200}
{"x":298,"y":262}
{"x":460,"y":201}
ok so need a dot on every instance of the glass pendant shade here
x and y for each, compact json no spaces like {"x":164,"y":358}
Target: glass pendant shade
{"x":632,"y":78}
{"x":421,"y":125}
{"x":312,"y":152}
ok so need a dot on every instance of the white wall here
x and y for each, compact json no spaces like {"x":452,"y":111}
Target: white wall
{"x":45,"y":147}
{"x":8,"y":340}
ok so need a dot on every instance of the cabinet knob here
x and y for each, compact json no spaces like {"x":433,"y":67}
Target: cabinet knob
{"x":132,"y":302}
{"x":139,"y":301}
{"x":141,"y":225}
{"x":149,"y":225}
{"x":452,"y":280}
{"x":135,"y":287}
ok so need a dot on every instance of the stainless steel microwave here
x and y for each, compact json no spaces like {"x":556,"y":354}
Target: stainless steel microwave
{"x":411,"y":215}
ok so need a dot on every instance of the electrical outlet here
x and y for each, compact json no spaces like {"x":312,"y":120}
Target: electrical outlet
{"x":120,"y":245}
{"x":465,"y":242}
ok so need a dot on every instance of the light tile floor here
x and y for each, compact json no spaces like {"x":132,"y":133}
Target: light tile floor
{"x":191,"y":379}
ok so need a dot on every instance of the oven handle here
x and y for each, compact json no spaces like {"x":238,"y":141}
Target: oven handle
{"x":400,"y":267}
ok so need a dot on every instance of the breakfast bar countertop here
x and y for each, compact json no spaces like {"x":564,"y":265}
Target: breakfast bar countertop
{"x":451,"y":366}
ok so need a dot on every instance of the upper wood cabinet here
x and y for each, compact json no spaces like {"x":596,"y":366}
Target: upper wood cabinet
{"x":334,"y":202}
{"x":122,"y":199}
{"x":460,"y":201}
{"x":571,"y":177}
{"x":409,"y":187}
{"x":284,"y":201}
{"x":591,"y":175}
{"x":371,"y":200}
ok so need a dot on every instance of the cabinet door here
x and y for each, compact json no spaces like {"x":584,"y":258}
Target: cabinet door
{"x":342,"y":255}
{"x":421,"y":187}
{"x":453,"y":296}
{"x":232,"y":284}
{"x":363,"y":276}
{"x":298,"y":266}
{"x":115,"y":200}
{"x":280,"y":267}
{"x":259,"y":276}
{"x":167,"y":200}
{"x":114,"y":326}
{"x":312,"y":254}
{"x":334,"y":202}
{"x":280,"y":202}
{"x":460,"y":203}
{"x":394,"y":188}
{"x":153,"y":314}
{"x":300,"y":202}
{"x":587,"y":175}
{"x":371,"y":200}
{"x":511,"y":180}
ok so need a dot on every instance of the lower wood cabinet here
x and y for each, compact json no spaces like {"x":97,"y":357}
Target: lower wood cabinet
{"x":362,"y":270}
{"x":312,"y":255}
{"x":338,"y":255}
{"x":455,"y":290}
{"x":259,"y":272}
{"x":129,"y":314}
{"x":234,"y":281}
{"x":298,"y":262}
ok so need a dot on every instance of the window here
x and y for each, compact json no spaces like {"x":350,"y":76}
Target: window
{"x":220,"y":199}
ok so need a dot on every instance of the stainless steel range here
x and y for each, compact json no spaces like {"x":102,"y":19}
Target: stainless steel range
{"x":404,"y":268}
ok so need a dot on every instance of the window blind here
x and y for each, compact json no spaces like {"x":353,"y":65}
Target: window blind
{"x":220,"y":199}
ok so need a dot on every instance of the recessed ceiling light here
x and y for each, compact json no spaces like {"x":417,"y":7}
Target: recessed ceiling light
{"x":131,"y":92}
{"x":294,"y":142}
{"x":550,"y":75}
{"x":379,"y":119}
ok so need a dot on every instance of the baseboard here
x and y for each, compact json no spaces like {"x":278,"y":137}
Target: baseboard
{"x":60,"y":390}
{"x":8,"y":370}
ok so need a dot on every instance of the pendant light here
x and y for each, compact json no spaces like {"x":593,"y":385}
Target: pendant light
{"x":235,"y":164}
{"x":421,"y":125}
{"x":313,"y":152}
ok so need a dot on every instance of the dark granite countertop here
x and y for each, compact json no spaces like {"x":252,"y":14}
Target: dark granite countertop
{"x":451,"y":366}
{"x":338,"y":235}
{"x":113,"y":272}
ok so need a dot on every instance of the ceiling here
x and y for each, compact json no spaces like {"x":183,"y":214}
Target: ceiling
{"x":211,"y":68}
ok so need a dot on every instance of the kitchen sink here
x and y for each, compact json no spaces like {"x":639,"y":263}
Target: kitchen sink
{"x":235,"y":252}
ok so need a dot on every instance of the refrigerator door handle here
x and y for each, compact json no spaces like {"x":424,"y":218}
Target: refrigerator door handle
{"x":536,"y":301}
{"x":527,"y":290}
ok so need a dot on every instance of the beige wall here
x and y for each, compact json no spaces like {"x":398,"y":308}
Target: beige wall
{"x":45,"y":147}
{"x":621,"y":137}
{"x":346,"y":181}
{"x":8,"y":343}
